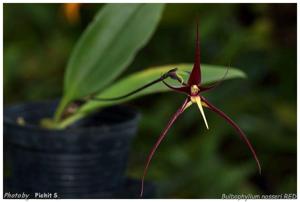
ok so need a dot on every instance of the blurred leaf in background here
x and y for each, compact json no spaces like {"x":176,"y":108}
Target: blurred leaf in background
{"x":107,"y":47}
{"x":260,"y":39}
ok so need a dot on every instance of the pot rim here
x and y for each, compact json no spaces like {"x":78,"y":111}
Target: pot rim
{"x":133,"y":112}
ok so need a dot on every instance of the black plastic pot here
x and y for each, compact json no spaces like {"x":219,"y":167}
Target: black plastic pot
{"x":87,"y":160}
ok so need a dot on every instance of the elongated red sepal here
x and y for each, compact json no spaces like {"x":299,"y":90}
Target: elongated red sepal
{"x":236,"y":127}
{"x":195,"y":76}
{"x":183,"y":89}
{"x":161,"y":137}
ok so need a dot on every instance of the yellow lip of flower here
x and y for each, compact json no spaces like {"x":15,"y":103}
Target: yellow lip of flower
{"x":197,"y":100}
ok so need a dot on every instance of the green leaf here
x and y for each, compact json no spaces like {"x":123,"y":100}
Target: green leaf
{"x":210,"y":73}
{"x":107,"y":47}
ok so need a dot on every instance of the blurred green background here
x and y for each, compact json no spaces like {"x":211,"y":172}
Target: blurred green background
{"x":192,"y":162}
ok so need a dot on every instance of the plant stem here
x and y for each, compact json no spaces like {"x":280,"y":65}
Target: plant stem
{"x":131,"y":93}
{"x":60,"y":109}
{"x":63,"y":124}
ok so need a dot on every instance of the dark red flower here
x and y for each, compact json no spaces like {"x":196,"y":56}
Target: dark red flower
{"x":193,"y":90}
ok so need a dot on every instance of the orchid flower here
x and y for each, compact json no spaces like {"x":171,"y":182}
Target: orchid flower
{"x":193,"y":90}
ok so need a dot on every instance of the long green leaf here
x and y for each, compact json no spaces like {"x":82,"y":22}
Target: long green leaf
{"x":210,"y":73}
{"x":107,"y":47}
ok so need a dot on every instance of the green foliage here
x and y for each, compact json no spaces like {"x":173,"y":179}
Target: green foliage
{"x":107,"y":47}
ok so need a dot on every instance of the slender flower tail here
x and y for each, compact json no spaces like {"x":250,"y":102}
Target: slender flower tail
{"x":161,"y":137}
{"x":214,"y":85}
{"x":236,"y":127}
{"x":195,"y":76}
